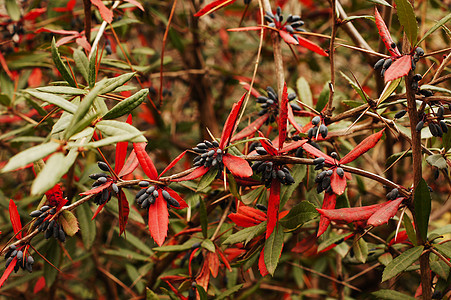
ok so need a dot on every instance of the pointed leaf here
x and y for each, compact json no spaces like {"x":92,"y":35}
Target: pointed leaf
{"x":61,"y":66}
{"x":123,"y":210}
{"x":330,"y":199}
{"x":299,"y":215}
{"x":98,"y":210}
{"x":127,"y":105}
{"x":207,"y":179}
{"x":288,"y":38}
{"x":248,"y":28}
{"x":121,"y":151}
{"x":445,"y":249}
{"x":159,"y":220}
{"x":385,"y":213}
{"x":237,"y":166}
{"x":130,"y":165}
{"x":176,"y":196}
{"x":251,"y":128}
{"x":87,"y":227}
{"x":55,"y":100}
{"x":173,"y":163}
{"x":145,"y":161}
{"x":273,"y":206}
{"x":385,"y":34}
{"x":30,"y":155}
{"x":402,"y":262}
{"x":437,"y":25}
{"x":105,"y":13}
{"x":311,"y":46}
{"x":213,"y":6}
{"x":283,"y":115}
{"x":273,"y":249}
{"x":315,"y":152}
{"x":351,"y":214}
{"x":362,"y":147}
{"x":422,"y":204}
{"x":406,"y":16}
{"x":261,"y":263}
{"x":337,"y":183}
{"x":113,"y":83}
{"x":267,"y":145}
{"x":8,"y":271}
{"x":196,"y":173}
{"x":390,"y":87}
{"x":97,"y":189}
{"x":136,"y":3}
{"x":15,"y":218}
{"x":360,"y":248}
{"x":82,"y":63}
{"x":230,"y":124}
{"x":292,"y":120}
{"x":69,"y":222}
{"x":399,"y":68}
{"x":246,"y":234}
{"x":391,"y":295}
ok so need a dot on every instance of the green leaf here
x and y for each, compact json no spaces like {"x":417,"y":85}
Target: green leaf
{"x":175,"y":248}
{"x":298,"y":215}
{"x":250,"y":197}
{"x":304,"y":92}
{"x":207,"y":179}
{"x":298,"y":172}
{"x":352,"y":18}
{"x":389,"y":89}
{"x":360,"y":248}
{"x":402,"y":262}
{"x":437,"y":160}
{"x":440,"y":268}
{"x":439,"y":24}
{"x":61,"y":66}
{"x":87,"y":226}
{"x":56,"y":166}
{"x":444,"y":249}
{"x":81,"y":125}
{"x":59,"y":89}
{"x":116,"y":128}
{"x":406,"y":16}
{"x":246,"y":234}
{"x":82,"y":63}
{"x":446,"y":139}
{"x":202,"y":293}
{"x":442,"y":230}
{"x":233,"y":187}
{"x":435,"y":88}
{"x":385,"y":258}
{"x":69,"y":222}
{"x":30,"y":155}
{"x":133,"y":275}
{"x":273,"y":249}
{"x":355,"y":86}
{"x":323,"y":98}
{"x":203,"y":218}
{"x":150,"y":295}
{"x":55,"y":100}
{"x":422,"y":204}
{"x":332,"y":240}
{"x":92,"y":71}
{"x":127,"y":105}
{"x":112,"y":140}
{"x":112,"y":83}
{"x":208,"y":244}
{"x":136,"y":242}
{"x":53,"y":254}
{"x":391,"y":295}
{"x":410,"y":230}
{"x":381,"y":2}
{"x":229,"y":292}
{"x":13,"y":10}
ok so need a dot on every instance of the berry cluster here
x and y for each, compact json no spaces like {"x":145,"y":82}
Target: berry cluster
{"x":314,"y":131}
{"x":415,"y":86}
{"x":149,"y":195}
{"x":209,"y":155}
{"x":437,"y":126}
{"x":323,"y":179}
{"x":24,"y":261}
{"x":385,"y":63}
{"x":43,"y":223}
{"x":291,"y":25}
{"x":270,"y":170}
{"x":102,"y":178}
{"x":270,"y":104}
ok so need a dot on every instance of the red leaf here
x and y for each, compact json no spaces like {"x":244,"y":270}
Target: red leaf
{"x":307,"y":246}
{"x":252,"y":212}
{"x":330,"y":199}
{"x":311,"y":46}
{"x":273,"y":206}
{"x":351,"y":214}
{"x":15,"y":218}
{"x":121,"y":151}
{"x":176,"y":196}
{"x":249,"y":28}
{"x":213,"y":6}
{"x":315,"y":152}
{"x":69,"y":7}
{"x":8,"y":271}
{"x":292,"y":120}
{"x":204,"y":276}
{"x":213,"y":263}
{"x":98,"y":210}
{"x":145,"y":161}
{"x":400,"y":238}
{"x":35,"y":78}
{"x":172,"y":164}
{"x":292,"y":146}
{"x":251,"y":128}
{"x":130,"y":165}
{"x":237,"y":166}
{"x":283,"y":115}
{"x":224,"y":259}
{"x":337,"y":183}
{"x":123,"y":210}
{"x":335,"y":245}
{"x":105,"y":13}
{"x":230,"y":124}
{"x":5,"y":66}
{"x":198,"y":172}
{"x":158,"y":220}
{"x":66,"y":39}
{"x":385,"y":213}
{"x":247,"y":86}
{"x":243,"y":220}
{"x":385,"y":34}
{"x":83,"y":42}
{"x":267,"y":145}
{"x":97,"y":189}
{"x":261,"y":263}
{"x":288,"y":38}
{"x":40,"y":284}
{"x":398,"y":68}
{"x":134,"y":2}
{"x":362,"y":147}
{"x":34,"y":13}
{"x":58,"y":31}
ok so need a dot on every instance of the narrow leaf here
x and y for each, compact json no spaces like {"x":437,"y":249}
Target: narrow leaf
{"x":406,"y":16}
{"x":246,"y":234}
{"x":385,"y":213}
{"x":130,"y":165}
{"x":362,"y":147}
{"x":15,"y":218}
{"x":299,"y":215}
{"x":173,"y":163}
{"x":261,"y":263}
{"x":330,"y":199}
{"x":251,"y":128}
{"x":248,"y":28}
{"x":399,"y":68}
{"x":145,"y":161}
{"x":30,"y":155}
{"x":113,"y":83}
{"x":123,"y":210}
{"x":337,"y":183}
{"x":437,"y":25}
{"x":213,"y":6}
{"x":445,"y":249}
{"x":127,"y":105}
{"x":288,"y":38}
{"x":55,"y":100}
{"x":207,"y":179}
{"x":13,"y":9}
{"x":304,"y":92}
{"x":105,"y":13}
{"x":69,"y":222}
{"x":87,"y":227}
{"x":283,"y":115}
{"x":159,"y":220}
{"x":351,"y":214}
{"x":196,"y":173}
{"x":273,"y":249}
{"x":385,"y":34}
{"x":230,"y":124}
{"x":237,"y":166}
{"x":61,"y":66}
{"x":311,"y":46}
{"x":8,"y":271}
{"x":390,"y":87}
{"x":82,"y":63}
{"x":360,"y":248}
{"x":315,"y":152}
{"x":402,"y":262}
{"x":422,"y":204}
{"x":273,"y":206}
{"x":97,"y":189}
{"x":391,"y":295}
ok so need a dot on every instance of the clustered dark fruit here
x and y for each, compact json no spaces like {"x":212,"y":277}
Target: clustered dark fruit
{"x":270,"y":104}
{"x":270,"y":170}
{"x":24,"y":261}
{"x":436,"y":125}
{"x":209,"y":155}
{"x":323,"y":179}
{"x":291,"y":25}
{"x":100,"y":179}
{"x":385,"y":63}
{"x":147,"y":196}
{"x":317,"y":129}
{"x":43,"y":223}
{"x":419,"y":52}
{"x":393,"y":194}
